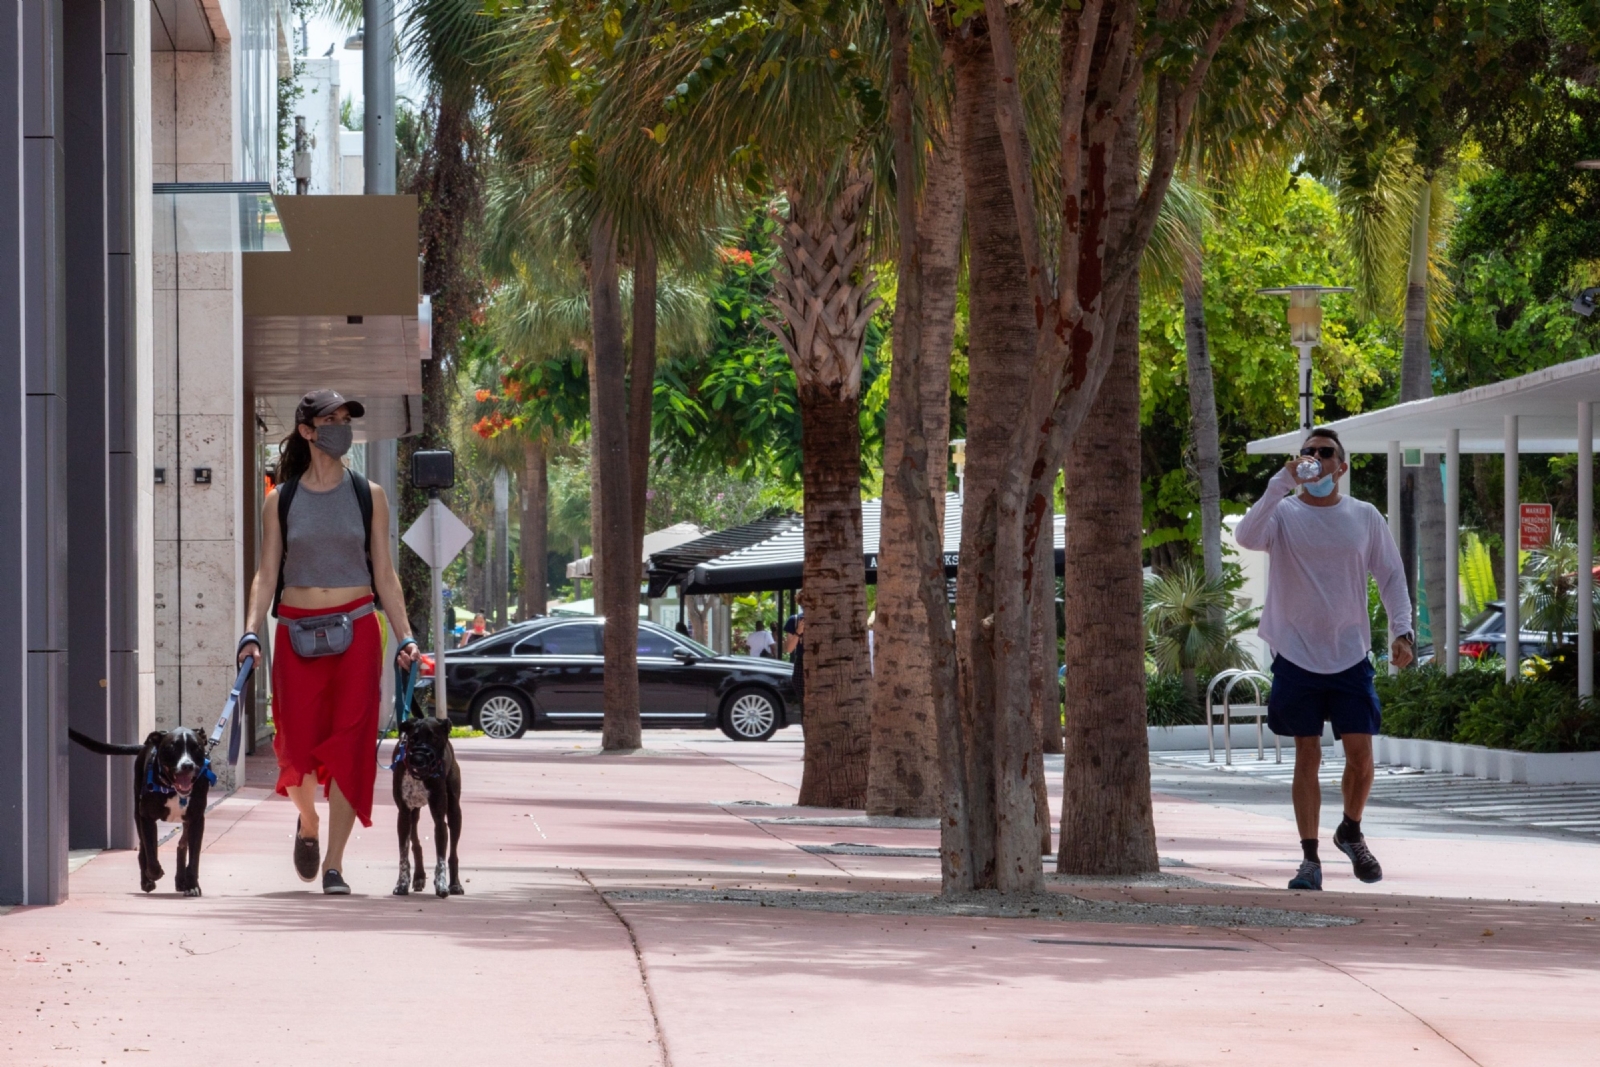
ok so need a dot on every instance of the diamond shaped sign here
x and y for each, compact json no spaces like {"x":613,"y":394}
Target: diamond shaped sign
{"x":454,"y":535}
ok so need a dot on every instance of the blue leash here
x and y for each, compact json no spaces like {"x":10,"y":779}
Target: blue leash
{"x":405,"y":685}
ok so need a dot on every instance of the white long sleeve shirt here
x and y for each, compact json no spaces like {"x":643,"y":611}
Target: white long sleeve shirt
{"x":1318,"y":562}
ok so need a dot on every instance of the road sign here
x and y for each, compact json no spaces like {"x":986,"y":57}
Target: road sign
{"x":1534,"y":526}
{"x":454,"y":535}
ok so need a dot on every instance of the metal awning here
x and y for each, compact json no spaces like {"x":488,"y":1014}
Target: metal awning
{"x":655,"y":541}
{"x":777,"y":561}
{"x":1544,"y":401}
{"x":1547,"y":411}
{"x":340,"y":310}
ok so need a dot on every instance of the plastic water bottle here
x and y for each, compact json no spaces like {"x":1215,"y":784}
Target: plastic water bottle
{"x":1308,"y":469}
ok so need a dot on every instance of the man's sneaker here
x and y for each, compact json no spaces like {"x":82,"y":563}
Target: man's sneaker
{"x":1309,"y":876}
{"x":1367,"y":867}
{"x":334,"y":885}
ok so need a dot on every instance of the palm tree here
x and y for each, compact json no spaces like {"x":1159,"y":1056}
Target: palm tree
{"x":916,"y":672}
{"x":1550,"y":587}
{"x":1397,"y":218}
{"x":762,"y":110}
{"x":1193,"y":626}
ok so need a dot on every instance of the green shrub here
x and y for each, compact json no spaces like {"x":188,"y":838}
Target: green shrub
{"x":1427,"y":703}
{"x":1477,"y":706}
{"x":1168,"y":703}
{"x":1505,"y":716}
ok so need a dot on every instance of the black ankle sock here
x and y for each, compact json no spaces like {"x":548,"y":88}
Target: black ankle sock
{"x":1308,"y":846}
{"x":1350,"y":829}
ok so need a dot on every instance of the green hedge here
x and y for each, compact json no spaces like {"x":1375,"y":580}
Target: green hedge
{"x":1166,"y":703}
{"x":1477,"y":706}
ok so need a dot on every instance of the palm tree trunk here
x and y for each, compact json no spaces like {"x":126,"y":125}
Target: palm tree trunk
{"x":834,"y":596}
{"x":535,"y":547}
{"x":823,"y":290}
{"x":447,"y":185}
{"x":1001,"y":356}
{"x":1107,"y":826}
{"x":1203,"y":414}
{"x":641,"y":389}
{"x":1422,"y":493}
{"x":903,"y":775}
{"x":614,"y":551}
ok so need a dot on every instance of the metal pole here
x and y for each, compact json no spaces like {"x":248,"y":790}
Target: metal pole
{"x":1394,"y":511}
{"x":1585,"y":548}
{"x":377,"y":88}
{"x":440,"y":707}
{"x":1452,"y":555}
{"x":1305,"y":389}
{"x":1512,"y":526}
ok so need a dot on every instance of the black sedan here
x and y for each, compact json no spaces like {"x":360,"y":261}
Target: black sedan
{"x":549,"y":673}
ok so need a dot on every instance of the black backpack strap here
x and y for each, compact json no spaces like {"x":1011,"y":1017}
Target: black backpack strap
{"x":286,"y":493}
{"x":363,"y":489}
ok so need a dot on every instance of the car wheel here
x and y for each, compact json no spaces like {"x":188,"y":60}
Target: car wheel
{"x":750,"y":715}
{"x":502,"y":715}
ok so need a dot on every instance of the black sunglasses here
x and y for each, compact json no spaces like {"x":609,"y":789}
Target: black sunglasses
{"x":1320,"y":451}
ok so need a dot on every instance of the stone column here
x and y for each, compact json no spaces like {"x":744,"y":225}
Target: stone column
{"x":198,"y":405}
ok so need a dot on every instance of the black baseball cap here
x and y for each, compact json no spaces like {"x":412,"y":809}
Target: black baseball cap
{"x":326,"y":402}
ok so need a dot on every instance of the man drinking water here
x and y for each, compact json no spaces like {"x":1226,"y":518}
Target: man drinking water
{"x":1320,"y":548}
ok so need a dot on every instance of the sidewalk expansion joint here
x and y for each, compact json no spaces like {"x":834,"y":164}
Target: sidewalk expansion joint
{"x":644,"y":971}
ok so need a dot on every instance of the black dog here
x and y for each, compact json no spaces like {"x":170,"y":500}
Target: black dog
{"x":171,"y":779}
{"x":426,"y":772}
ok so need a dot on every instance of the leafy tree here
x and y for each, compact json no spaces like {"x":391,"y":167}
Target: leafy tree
{"x":1266,"y":233}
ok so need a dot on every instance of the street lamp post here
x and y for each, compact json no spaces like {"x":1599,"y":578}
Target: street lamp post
{"x":1305,"y":333}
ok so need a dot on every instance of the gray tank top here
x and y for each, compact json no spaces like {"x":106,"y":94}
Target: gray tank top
{"x":326,"y":541}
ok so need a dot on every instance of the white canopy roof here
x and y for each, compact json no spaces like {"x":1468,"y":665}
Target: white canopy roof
{"x":658,"y":541}
{"x":1546,"y":402}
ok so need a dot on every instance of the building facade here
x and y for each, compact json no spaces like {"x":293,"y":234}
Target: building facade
{"x":139,"y":152}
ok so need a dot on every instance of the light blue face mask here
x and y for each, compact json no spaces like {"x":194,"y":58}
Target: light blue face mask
{"x":1323,"y":486}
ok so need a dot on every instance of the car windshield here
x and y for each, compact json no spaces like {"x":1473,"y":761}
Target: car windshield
{"x":1481,"y":619}
{"x":695,"y":646}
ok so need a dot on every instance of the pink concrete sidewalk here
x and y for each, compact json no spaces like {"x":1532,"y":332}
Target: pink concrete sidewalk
{"x":535,"y":966}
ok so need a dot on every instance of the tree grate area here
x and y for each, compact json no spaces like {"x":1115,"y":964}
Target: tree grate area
{"x":1054,"y":907}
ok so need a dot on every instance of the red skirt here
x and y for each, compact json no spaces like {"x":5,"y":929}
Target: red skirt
{"x":325,"y":710}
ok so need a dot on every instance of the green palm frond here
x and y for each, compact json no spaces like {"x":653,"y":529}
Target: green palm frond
{"x":1477,"y":574}
{"x":1550,"y":586}
{"x":1185,"y":617}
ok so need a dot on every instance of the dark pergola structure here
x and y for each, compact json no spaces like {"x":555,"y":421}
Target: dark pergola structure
{"x":768,"y":555}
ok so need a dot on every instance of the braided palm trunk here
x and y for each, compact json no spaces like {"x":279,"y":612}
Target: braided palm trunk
{"x":824,"y":293}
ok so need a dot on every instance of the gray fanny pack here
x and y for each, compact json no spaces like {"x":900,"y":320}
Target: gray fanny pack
{"x":325,"y":635}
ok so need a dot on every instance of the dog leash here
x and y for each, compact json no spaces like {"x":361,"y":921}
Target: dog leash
{"x":405,"y":684}
{"x":228,"y":710}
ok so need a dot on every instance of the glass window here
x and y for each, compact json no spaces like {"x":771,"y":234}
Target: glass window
{"x":575,"y":639}
{"x":655,"y":643}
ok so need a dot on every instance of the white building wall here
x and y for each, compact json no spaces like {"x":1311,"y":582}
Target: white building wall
{"x":352,"y":165}
{"x":319,"y":105}
{"x":1254,"y":591}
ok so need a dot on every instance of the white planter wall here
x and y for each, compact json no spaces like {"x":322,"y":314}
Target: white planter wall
{"x":1476,"y":761}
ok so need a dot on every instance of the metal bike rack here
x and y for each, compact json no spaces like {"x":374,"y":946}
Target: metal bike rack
{"x":1256,"y":710}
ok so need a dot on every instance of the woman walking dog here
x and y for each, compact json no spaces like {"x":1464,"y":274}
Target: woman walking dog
{"x":318,"y":553}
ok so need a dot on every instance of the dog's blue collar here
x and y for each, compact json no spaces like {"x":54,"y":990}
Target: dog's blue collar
{"x":153,"y":784}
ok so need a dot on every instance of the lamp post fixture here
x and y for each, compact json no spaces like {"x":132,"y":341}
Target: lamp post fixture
{"x":1305,"y":332}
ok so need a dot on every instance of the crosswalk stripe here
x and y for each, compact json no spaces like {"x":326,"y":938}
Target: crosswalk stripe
{"x":1572,"y":808}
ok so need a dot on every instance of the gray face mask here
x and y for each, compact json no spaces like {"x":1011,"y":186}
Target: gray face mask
{"x":335,"y":438}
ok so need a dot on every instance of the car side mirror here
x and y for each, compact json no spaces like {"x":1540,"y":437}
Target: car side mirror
{"x":683,"y":655}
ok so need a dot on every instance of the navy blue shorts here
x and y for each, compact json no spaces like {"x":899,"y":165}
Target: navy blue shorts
{"x":1303,"y":700}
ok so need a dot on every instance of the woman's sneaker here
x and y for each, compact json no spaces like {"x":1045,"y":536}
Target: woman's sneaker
{"x":1366,"y":865}
{"x":1309,"y":876}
